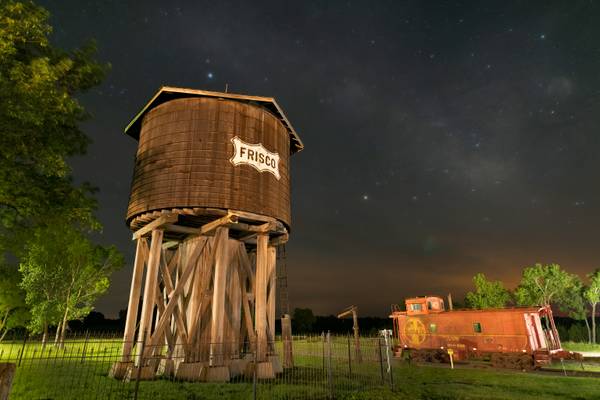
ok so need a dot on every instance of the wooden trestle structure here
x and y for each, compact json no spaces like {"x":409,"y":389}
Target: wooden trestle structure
{"x":206,"y":281}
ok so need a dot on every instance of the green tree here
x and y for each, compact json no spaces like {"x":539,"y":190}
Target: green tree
{"x":39,"y":131}
{"x":13,"y":309}
{"x":574,"y":304}
{"x":63,"y":274}
{"x":303,"y":319}
{"x":487,"y":294}
{"x":592,"y":296}
{"x":39,"y":121}
{"x":543,"y":285}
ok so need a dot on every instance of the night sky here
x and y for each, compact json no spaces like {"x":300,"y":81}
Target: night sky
{"x":442,"y":138}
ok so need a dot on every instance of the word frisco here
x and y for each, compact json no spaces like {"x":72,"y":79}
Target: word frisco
{"x":256,"y":156}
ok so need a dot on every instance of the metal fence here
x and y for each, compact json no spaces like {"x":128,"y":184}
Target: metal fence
{"x":324,"y":367}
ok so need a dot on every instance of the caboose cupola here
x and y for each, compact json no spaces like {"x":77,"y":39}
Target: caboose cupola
{"x":424,"y":305}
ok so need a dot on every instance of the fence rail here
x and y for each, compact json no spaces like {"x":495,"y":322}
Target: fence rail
{"x":90,"y":366}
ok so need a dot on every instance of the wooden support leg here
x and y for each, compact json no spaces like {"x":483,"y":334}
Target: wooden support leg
{"x":235,"y":300}
{"x":141,"y":254}
{"x":150,"y":288}
{"x":271,"y":300}
{"x":218,"y":303}
{"x":260,"y":296}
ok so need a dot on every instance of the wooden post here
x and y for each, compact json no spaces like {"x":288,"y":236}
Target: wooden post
{"x":195,"y":300}
{"x":286,"y":336}
{"x":149,"y":288}
{"x":235,"y":297}
{"x":7,"y":372}
{"x":134,"y":298}
{"x":271,"y":300}
{"x":218,"y":304}
{"x":356,"y":335}
{"x":260,"y":296}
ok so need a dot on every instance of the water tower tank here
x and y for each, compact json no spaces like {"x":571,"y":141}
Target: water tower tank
{"x":201,"y":153}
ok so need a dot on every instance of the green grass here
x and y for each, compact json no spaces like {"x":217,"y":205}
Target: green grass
{"x":575,"y":366}
{"x":578,"y":346}
{"x":63,"y":375}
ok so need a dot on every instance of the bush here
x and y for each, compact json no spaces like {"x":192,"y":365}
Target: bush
{"x":577,"y":333}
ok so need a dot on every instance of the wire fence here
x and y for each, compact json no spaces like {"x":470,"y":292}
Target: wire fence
{"x":91,"y":366}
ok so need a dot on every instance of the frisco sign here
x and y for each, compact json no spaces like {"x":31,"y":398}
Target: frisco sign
{"x":255,"y":155}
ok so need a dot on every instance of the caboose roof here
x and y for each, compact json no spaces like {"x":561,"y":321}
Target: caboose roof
{"x":167,"y":93}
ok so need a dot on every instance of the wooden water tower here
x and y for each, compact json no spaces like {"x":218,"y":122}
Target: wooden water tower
{"x":209,"y":203}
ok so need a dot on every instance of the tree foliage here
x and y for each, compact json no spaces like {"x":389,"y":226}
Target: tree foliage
{"x":64,"y":273}
{"x":303,"y":320}
{"x":592,"y":295}
{"x":544,"y":285}
{"x":14,"y":312}
{"x":39,"y":121}
{"x":487,"y":294}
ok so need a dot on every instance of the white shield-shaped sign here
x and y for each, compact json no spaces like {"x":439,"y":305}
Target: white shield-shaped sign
{"x":255,"y":155}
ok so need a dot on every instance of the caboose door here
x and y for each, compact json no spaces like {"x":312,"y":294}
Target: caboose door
{"x":535,"y":331}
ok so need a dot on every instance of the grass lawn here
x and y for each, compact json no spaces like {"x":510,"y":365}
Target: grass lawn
{"x":67,"y":374}
{"x":576,"y":346}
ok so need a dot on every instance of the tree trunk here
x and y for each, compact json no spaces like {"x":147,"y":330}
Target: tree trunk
{"x":45,"y":335}
{"x":57,"y":334}
{"x":3,"y":328}
{"x":589,"y":331}
{"x":3,"y":334}
{"x":63,"y":328}
{"x":594,"y":323}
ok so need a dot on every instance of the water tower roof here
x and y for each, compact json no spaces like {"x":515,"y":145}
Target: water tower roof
{"x":167,"y":93}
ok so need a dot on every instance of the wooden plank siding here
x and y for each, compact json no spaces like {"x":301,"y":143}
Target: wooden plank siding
{"x":183,"y":159}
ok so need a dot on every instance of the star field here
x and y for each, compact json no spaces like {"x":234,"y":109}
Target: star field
{"x":442,"y":138}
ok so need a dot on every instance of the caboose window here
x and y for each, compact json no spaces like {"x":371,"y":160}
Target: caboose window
{"x":432,"y":328}
{"x":429,"y":306}
{"x":476,"y":327}
{"x":415,"y":307}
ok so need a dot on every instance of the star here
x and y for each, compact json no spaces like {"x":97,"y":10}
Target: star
{"x":543,"y":36}
{"x":365,"y":197}
{"x":210,"y":75}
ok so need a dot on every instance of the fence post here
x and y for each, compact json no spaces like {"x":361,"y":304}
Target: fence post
{"x":329,"y":372}
{"x":140,"y":366}
{"x":323,"y":343}
{"x":349,"y":359}
{"x":389,"y":362}
{"x":22,"y":348}
{"x":87,"y":336}
{"x":380,"y":360}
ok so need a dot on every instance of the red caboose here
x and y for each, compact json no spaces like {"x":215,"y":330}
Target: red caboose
{"x":525,"y":334}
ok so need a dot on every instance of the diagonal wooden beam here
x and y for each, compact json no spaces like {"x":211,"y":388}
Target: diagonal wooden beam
{"x":248,"y":316}
{"x":245,"y":266}
{"x":161,"y":308}
{"x":252,"y":216}
{"x":141,"y":256}
{"x":174,"y":295}
{"x":167,"y":281}
{"x":157,"y":223}
{"x":211,"y":226}
{"x":206,"y":276}
{"x":149,"y":286}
